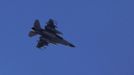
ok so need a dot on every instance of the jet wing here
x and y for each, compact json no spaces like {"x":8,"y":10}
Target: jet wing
{"x":51,"y":27}
{"x":41,"y":43}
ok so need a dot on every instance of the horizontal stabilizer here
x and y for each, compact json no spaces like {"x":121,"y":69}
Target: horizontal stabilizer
{"x":32,"y":33}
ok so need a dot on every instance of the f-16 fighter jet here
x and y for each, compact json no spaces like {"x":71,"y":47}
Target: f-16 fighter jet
{"x":48,"y":34}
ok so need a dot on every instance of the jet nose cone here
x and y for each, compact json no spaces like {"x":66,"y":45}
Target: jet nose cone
{"x":71,"y":45}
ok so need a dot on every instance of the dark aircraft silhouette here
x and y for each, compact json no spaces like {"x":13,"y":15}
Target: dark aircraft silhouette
{"x":48,"y":35}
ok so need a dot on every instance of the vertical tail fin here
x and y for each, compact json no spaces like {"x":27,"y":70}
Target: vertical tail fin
{"x":36,"y":25}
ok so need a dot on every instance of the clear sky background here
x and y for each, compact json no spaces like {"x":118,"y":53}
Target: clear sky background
{"x":102,"y":30}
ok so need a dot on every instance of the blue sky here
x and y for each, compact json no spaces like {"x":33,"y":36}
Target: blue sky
{"x":102,"y":31}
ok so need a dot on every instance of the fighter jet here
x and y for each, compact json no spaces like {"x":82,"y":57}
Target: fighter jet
{"x":48,"y":34}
